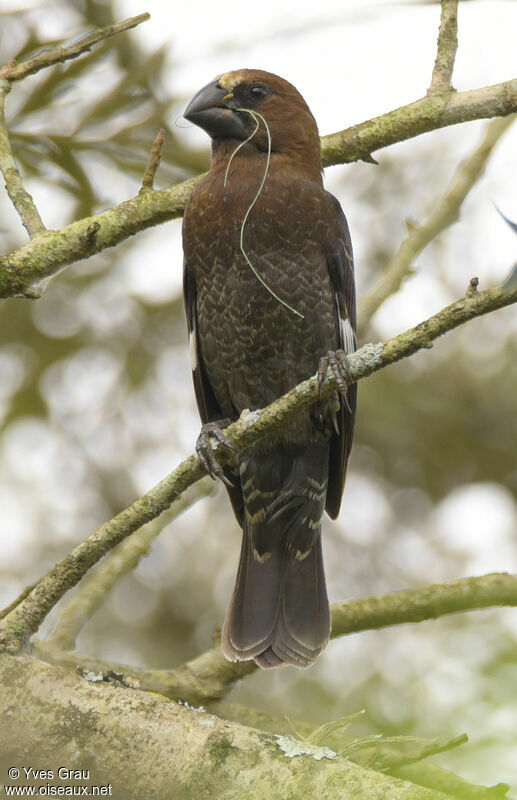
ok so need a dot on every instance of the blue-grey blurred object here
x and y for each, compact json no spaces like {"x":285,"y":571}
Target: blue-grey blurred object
{"x":511,"y":281}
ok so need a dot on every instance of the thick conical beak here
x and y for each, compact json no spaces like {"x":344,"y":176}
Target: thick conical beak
{"x":210,"y":110}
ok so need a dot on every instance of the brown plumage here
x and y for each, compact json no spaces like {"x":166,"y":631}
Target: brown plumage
{"x":253,"y":337}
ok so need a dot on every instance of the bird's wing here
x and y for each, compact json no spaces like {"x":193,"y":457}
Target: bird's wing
{"x":207,"y":404}
{"x":209,"y":409}
{"x":341,"y":271}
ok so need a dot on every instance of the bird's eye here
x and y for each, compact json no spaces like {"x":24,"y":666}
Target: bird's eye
{"x":258,"y":92}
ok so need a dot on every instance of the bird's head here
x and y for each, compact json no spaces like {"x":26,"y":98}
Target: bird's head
{"x":232,"y":106}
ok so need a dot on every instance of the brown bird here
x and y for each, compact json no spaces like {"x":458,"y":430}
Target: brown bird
{"x":270,"y":299}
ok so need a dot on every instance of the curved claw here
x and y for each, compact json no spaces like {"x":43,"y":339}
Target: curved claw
{"x":336,"y":360}
{"x":209,"y":431}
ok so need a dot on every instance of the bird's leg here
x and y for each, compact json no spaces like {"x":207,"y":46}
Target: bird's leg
{"x":337,"y":362}
{"x":213,"y":431}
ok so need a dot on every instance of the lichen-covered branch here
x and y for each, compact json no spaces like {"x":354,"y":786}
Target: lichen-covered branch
{"x":445,"y":213}
{"x":209,"y":677}
{"x":446,"y":50}
{"x":424,"y":115}
{"x":353,"y":616}
{"x":51,"y":251}
{"x":174,"y":751}
{"x":204,"y":679}
{"x":25,"y":620}
{"x":48,"y":58}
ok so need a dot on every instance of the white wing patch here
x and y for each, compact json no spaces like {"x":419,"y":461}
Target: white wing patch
{"x":347,"y":335}
{"x":192,"y":342}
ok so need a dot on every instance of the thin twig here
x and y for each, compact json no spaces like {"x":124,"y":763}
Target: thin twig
{"x":446,"y":50}
{"x":19,"y":196}
{"x":444,"y":214}
{"x":97,"y":585}
{"x":249,"y":428}
{"x":16,"y":72}
{"x":16,"y":602}
{"x":154,"y":161}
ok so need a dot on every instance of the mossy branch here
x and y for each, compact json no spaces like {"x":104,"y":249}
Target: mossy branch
{"x":174,"y":751}
{"x":427,"y":114}
{"x":9,"y":74}
{"x":51,"y":251}
{"x":209,"y":677}
{"x":26,"y":618}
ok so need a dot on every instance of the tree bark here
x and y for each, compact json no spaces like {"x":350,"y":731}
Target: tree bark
{"x":143,"y":745}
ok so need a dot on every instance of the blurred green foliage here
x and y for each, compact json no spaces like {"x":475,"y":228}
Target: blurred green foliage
{"x":99,"y":111}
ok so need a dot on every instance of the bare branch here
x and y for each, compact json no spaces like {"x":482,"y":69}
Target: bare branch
{"x":19,"y":196}
{"x":16,"y":72}
{"x":446,"y":51}
{"x":443,"y":215}
{"x":431,"y":602}
{"x":154,"y":161}
{"x":25,"y":620}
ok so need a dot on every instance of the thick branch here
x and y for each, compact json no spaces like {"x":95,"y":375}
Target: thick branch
{"x":445,"y":213}
{"x":377,"y":756}
{"x":53,"y":250}
{"x":56,"y":718}
{"x":25,"y":620}
{"x":427,"y":114}
{"x":16,"y":72}
{"x":447,"y":46}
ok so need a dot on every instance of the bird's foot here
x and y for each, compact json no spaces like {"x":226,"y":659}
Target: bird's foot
{"x":213,"y":431}
{"x":337,"y":362}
